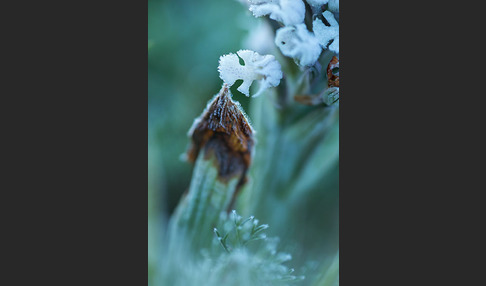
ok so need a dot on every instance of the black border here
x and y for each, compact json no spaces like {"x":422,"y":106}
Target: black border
{"x":80,"y":103}
{"x":79,"y":145}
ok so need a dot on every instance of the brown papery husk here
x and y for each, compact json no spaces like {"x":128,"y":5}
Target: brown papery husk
{"x":224,"y":131}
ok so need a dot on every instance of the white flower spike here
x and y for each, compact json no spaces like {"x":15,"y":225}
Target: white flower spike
{"x":325,"y":33}
{"x":298,"y":43}
{"x":256,"y":67}
{"x":287,"y":12}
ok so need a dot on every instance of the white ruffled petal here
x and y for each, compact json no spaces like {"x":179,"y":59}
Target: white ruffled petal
{"x":256,"y":67}
{"x":287,"y":12}
{"x":335,"y":46}
{"x":298,"y":43}
{"x":333,"y":6}
{"x":327,"y":33}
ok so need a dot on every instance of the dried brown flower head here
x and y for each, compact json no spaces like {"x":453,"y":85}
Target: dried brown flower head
{"x":223,"y":130}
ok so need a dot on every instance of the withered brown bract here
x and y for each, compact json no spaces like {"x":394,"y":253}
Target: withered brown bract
{"x":333,"y":77}
{"x":223,"y":130}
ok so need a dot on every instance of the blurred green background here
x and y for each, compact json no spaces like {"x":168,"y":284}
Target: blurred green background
{"x":185,"y":40}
